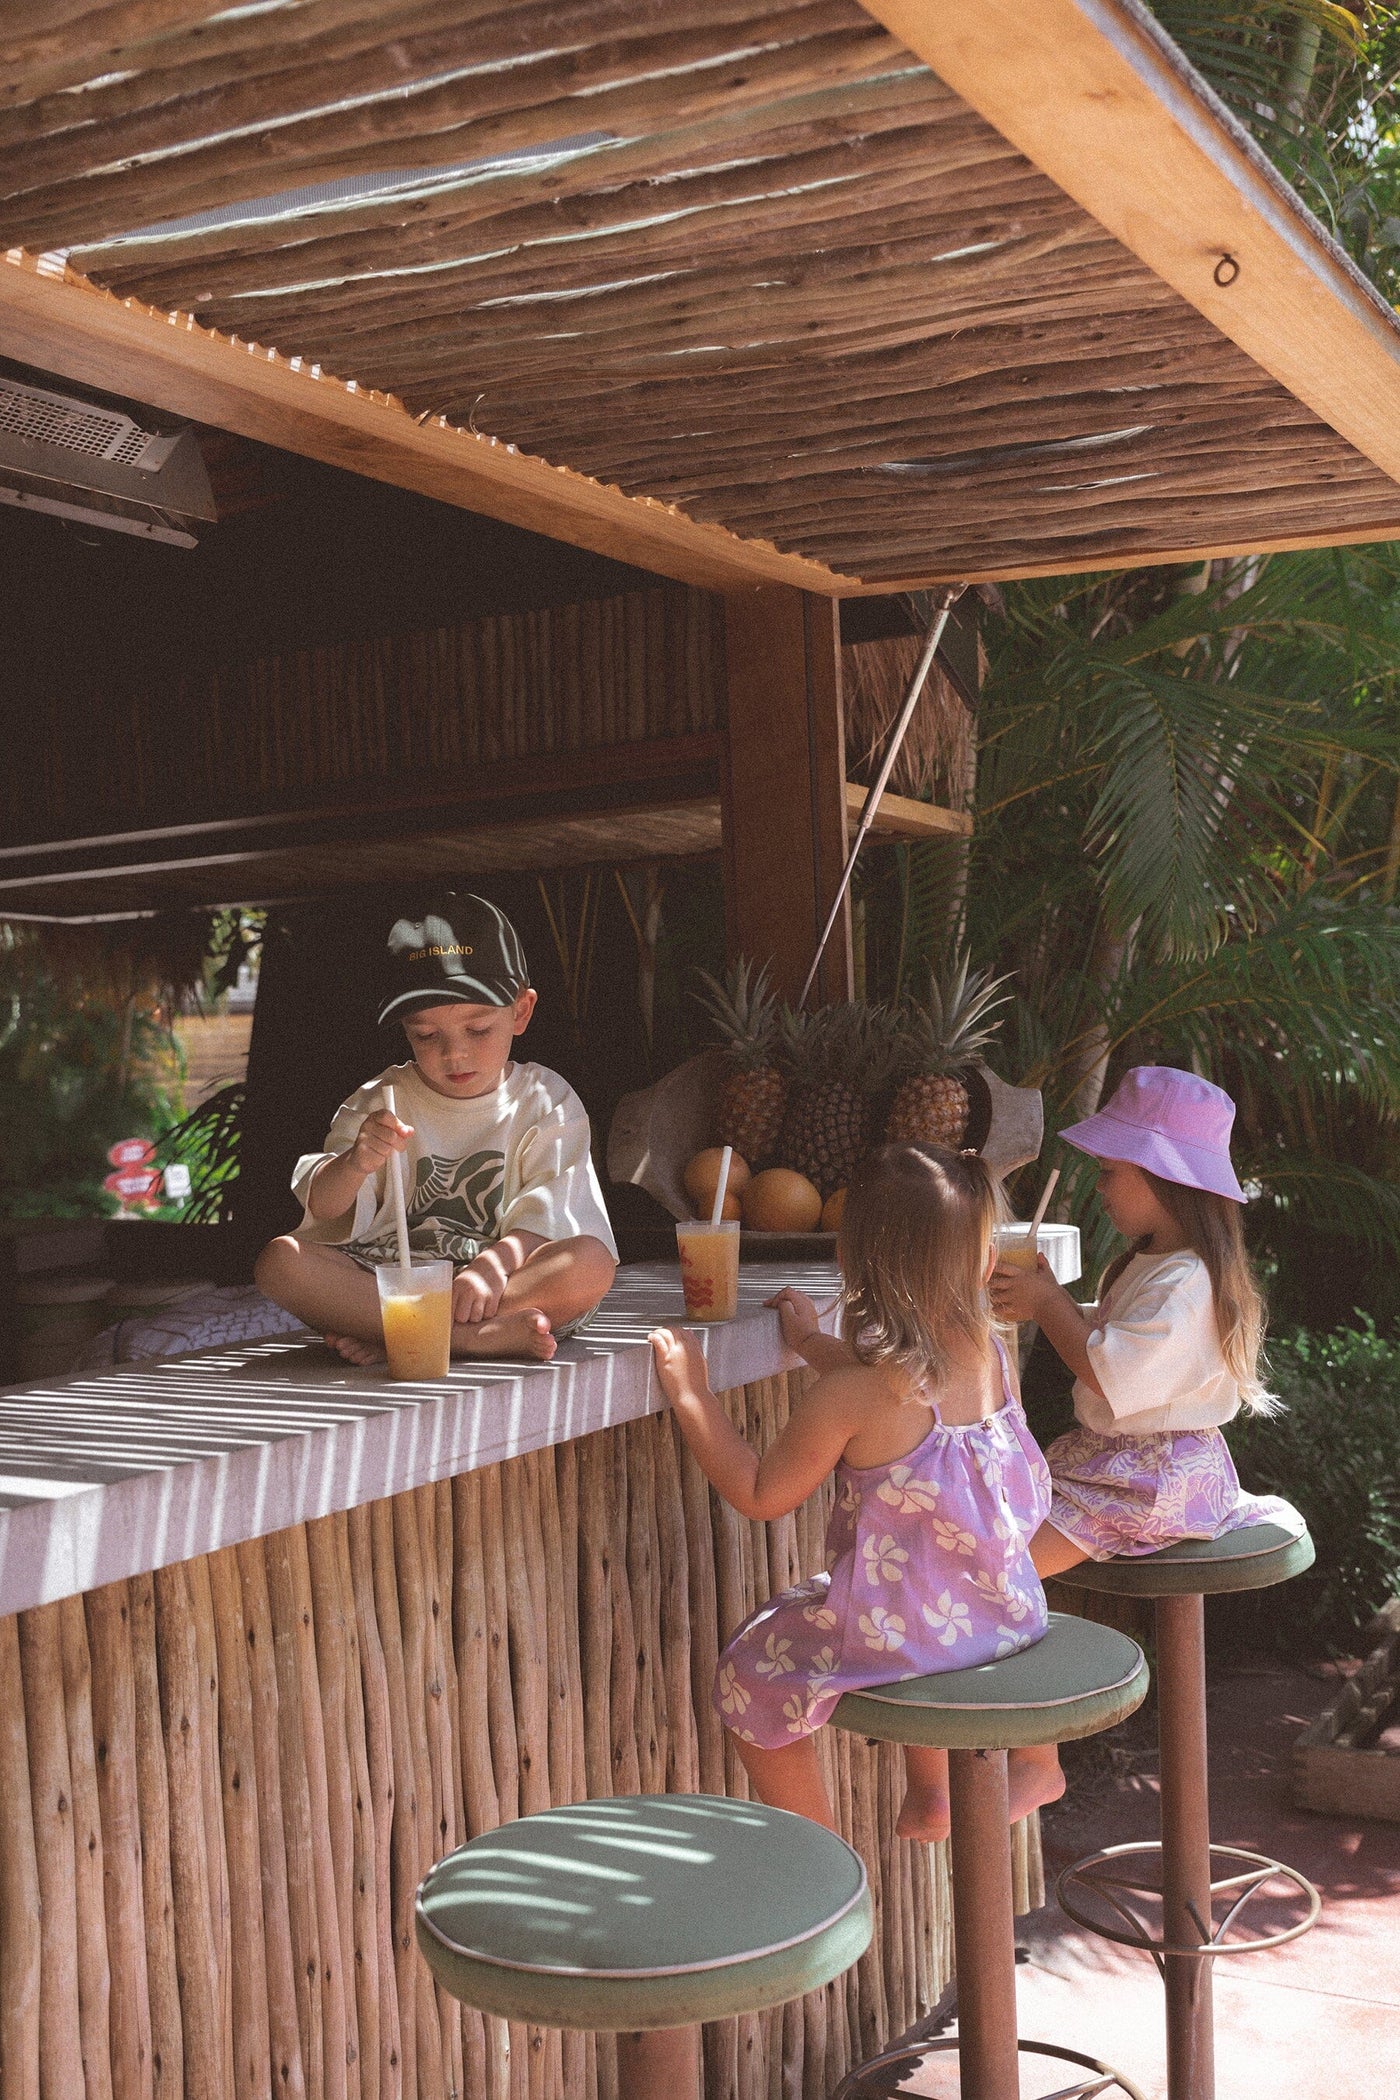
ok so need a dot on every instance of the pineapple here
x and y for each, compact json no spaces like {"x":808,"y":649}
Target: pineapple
{"x":751,"y":1102}
{"x":838,"y":1059}
{"x":931,"y":1104}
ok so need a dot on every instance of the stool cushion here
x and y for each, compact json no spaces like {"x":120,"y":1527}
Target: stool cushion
{"x":652,"y":1911}
{"x":1079,"y":1679}
{"x":1248,"y":1559}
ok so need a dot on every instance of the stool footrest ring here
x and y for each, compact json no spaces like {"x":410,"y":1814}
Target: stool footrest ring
{"x":1105,"y":1875}
{"x":907,"y":2057}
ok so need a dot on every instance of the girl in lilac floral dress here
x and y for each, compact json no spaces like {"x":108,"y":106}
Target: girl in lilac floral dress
{"x":939,"y":1485}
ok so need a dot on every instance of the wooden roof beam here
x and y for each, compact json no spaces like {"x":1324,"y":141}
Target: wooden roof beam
{"x":1098,"y":97}
{"x":64,"y":325}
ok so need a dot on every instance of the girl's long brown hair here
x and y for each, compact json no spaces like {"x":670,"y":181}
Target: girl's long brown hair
{"x":913,"y":1242}
{"x":1213,"y":1228}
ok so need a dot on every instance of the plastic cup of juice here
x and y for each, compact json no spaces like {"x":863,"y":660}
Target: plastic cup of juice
{"x":709,"y":1267}
{"x":1018,"y":1247}
{"x":417,"y":1318}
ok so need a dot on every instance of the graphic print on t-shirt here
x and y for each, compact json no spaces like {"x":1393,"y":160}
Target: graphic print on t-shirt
{"x":454,"y":1209}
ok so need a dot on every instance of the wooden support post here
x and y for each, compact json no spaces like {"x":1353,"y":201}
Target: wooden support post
{"x":783,"y":781}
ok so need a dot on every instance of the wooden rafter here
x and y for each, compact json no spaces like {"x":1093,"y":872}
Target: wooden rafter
{"x":64,"y":325}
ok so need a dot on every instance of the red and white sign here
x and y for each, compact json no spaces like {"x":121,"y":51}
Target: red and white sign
{"x":131,"y":1152}
{"x":134,"y":1184}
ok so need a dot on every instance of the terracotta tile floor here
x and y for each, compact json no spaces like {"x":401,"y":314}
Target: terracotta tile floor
{"x":1316,"y":2020}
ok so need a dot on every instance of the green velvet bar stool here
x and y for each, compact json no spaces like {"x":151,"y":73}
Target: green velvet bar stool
{"x":1179,"y":1869}
{"x":645,"y":1916}
{"x":1080,"y":1679}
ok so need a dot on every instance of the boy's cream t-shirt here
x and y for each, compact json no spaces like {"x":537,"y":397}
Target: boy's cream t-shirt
{"x":1155,"y":1350}
{"x":516,"y":1159}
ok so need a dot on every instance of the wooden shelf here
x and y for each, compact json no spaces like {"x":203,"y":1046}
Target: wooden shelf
{"x":434,"y":835}
{"x":901,"y":817}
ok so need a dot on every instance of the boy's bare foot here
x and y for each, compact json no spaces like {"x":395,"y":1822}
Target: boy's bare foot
{"x":353,"y":1349}
{"x":1033,"y":1780}
{"x":924,"y":1814}
{"x":524,"y":1331}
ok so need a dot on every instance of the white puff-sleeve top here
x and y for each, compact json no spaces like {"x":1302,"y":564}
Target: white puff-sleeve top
{"x":1155,"y":1350}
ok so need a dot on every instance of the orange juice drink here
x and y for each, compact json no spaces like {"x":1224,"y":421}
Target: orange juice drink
{"x":417,"y":1320}
{"x":1017,"y":1247}
{"x":709,"y":1268}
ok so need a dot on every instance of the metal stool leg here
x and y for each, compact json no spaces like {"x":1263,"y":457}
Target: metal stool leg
{"x":1186,"y":1868}
{"x":984,"y":1925}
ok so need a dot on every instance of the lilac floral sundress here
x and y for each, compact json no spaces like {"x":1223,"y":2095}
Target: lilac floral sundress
{"x":928,"y":1568}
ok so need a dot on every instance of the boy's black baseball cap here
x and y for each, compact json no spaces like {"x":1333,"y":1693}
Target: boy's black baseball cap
{"x":457,"y":947}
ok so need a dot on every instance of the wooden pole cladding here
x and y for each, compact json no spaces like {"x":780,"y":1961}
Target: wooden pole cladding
{"x":220,"y":1785}
{"x":783,"y":786}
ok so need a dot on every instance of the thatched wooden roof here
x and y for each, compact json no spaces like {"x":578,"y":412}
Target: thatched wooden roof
{"x":774,"y":289}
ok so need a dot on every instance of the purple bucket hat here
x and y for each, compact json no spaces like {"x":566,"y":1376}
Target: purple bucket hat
{"x":1169,"y":1122}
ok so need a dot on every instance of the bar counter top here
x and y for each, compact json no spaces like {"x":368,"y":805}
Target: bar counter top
{"x":116,"y":1473}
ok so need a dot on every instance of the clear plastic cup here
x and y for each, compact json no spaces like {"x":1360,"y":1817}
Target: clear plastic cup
{"x":709,"y":1267}
{"x":1018,"y":1246}
{"x":417,"y":1319}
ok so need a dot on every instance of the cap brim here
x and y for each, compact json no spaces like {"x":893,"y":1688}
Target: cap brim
{"x":1192,"y":1166}
{"x":404,"y":1003}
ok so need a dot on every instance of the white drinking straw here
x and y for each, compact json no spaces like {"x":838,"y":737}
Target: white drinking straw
{"x":400,"y":1207}
{"x":721,"y":1186}
{"x":1044,"y":1203}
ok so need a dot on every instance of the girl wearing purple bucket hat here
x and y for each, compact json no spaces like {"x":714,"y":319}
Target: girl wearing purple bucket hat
{"x":1169,"y":1353}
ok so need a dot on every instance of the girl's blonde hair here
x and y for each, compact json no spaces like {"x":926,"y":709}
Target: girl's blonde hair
{"x":914,"y":1238}
{"x":1213,"y":1228}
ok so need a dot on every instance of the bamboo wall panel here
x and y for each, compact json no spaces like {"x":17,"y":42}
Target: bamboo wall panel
{"x":359,"y":719}
{"x":221,"y":1785}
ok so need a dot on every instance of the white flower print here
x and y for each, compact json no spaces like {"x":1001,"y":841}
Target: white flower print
{"x":778,"y":1657}
{"x":998,"y":1590}
{"x":1008,"y":1641}
{"x":906,"y":1494}
{"x":823,"y":1668}
{"x":881,"y":1629}
{"x":952,"y":1538}
{"x":884,"y":1560}
{"x":820,"y":1615}
{"x":1010,"y":1533}
{"x":733,"y":1696}
{"x":948,"y":1620}
{"x":795,"y":1713}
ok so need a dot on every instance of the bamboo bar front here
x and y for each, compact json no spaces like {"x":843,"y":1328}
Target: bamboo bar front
{"x":220,"y":1784}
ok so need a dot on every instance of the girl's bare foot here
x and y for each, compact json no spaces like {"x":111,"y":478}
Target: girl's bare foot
{"x":353,"y":1349}
{"x":924,"y":1814}
{"x":524,"y":1331}
{"x":1033,"y":1779}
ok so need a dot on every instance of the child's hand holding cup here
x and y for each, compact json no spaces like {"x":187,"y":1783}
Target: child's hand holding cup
{"x":1017,"y":1280}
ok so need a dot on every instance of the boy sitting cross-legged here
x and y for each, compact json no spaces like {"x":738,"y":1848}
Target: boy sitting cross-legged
{"x":499,"y":1175}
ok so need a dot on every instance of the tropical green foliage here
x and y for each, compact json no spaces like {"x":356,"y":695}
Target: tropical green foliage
{"x":1314,"y":82}
{"x":80,"y":1067}
{"x":207,"y":1142}
{"x":1334,"y":1452}
{"x":1188,"y":839}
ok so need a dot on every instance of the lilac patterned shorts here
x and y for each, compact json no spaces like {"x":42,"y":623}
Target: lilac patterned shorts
{"x":1117,"y":1496}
